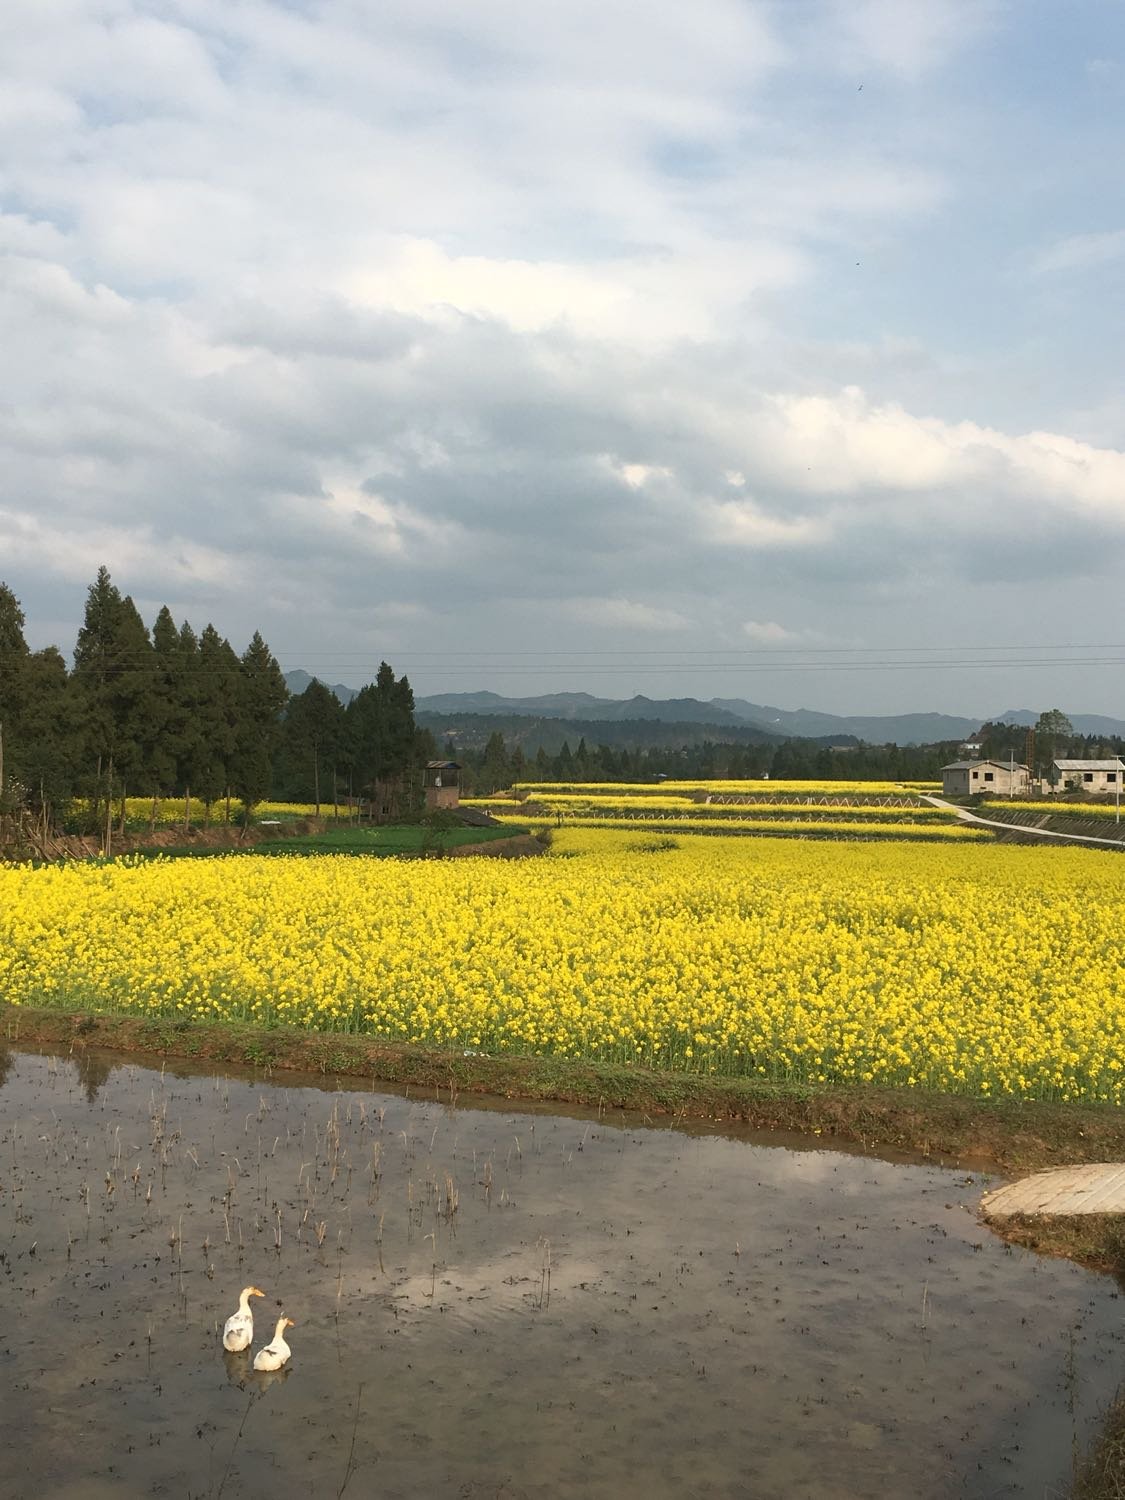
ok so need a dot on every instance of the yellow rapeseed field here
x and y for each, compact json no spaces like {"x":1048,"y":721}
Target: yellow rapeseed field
{"x":808,"y":825}
{"x":168,"y":812}
{"x":966,"y":968}
{"x":738,"y":807}
{"x":1060,"y":808}
{"x":758,"y":786}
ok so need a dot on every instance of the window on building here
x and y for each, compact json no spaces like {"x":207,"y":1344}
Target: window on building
{"x":988,"y":776}
{"x":1087,"y":775}
{"x":975,"y":775}
{"x":1111,"y":775}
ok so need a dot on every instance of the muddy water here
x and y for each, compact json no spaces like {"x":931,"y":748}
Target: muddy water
{"x":495,"y":1303}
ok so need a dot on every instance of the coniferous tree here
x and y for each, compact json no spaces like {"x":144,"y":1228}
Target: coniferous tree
{"x":14,"y":657}
{"x":114,"y":683}
{"x":426,"y":746}
{"x":261,"y":697}
{"x":379,"y":735}
{"x":169,"y":710}
{"x":219,"y":716}
{"x":358,"y":750}
{"x":310,"y":743}
{"x":189,"y":743}
{"x":45,"y":760}
{"x":495,"y":771}
{"x":400,"y":726}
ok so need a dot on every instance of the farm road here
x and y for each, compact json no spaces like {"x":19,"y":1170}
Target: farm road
{"x":1041,"y":833}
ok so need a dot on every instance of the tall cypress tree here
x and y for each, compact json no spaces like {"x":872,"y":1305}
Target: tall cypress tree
{"x":362,"y":737}
{"x":46,"y":762}
{"x":380,"y":731}
{"x":310,"y":742}
{"x":189,"y":742}
{"x":217,"y":705}
{"x":261,"y":698}
{"x":114,"y":680}
{"x":13,"y":690}
{"x":169,"y":710}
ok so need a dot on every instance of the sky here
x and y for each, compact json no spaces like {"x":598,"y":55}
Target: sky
{"x":760,"y":350}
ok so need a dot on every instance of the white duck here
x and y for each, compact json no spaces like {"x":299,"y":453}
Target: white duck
{"x":277,"y":1352}
{"x":238,"y":1330}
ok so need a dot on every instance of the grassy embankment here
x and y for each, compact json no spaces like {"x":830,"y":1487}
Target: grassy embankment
{"x":1102,"y":1475}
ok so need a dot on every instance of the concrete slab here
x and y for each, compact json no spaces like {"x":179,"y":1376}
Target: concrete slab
{"x":1095,"y":1189}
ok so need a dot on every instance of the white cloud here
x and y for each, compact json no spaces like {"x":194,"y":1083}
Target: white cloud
{"x":1081,"y":252}
{"x":911,"y":37}
{"x":659,"y":298}
{"x":163,"y":561}
{"x":478,"y":321}
{"x":770,"y":632}
{"x":844,"y":445}
{"x":625,"y":614}
{"x":741,"y":523}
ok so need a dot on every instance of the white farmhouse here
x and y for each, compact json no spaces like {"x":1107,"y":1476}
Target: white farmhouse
{"x":1088,"y":775}
{"x":1000,"y":778}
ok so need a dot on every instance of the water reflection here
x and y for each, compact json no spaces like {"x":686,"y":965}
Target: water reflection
{"x":94,"y":1068}
{"x":238,"y":1366}
{"x":546,"y":1303}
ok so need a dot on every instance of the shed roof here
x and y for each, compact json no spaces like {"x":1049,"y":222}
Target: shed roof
{"x":443,"y":765}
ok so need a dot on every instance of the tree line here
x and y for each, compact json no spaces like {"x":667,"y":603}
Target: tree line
{"x":501,"y":762}
{"x":498,"y":765}
{"x":170,"y":712}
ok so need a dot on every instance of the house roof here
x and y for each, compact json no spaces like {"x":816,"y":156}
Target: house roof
{"x":1090,"y":765}
{"x":972,"y":765}
{"x":443,"y":765}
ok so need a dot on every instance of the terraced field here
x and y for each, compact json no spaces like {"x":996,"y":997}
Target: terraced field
{"x":792,"y":809}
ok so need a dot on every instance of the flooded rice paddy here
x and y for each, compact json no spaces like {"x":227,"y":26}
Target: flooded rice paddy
{"x":500,"y":1302}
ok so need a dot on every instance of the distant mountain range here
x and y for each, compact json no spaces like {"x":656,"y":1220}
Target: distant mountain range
{"x":729,"y":713}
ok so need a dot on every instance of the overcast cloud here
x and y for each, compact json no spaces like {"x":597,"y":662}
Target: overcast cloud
{"x":684,"y":350}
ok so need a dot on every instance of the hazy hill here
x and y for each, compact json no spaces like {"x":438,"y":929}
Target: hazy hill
{"x":298,"y":681}
{"x":876,"y":729}
{"x":582,"y":706}
{"x":584,"y":712}
{"x":721,"y":713}
{"x":471,"y":732}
